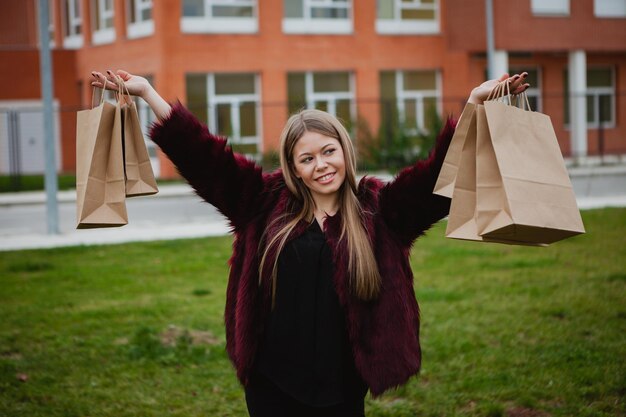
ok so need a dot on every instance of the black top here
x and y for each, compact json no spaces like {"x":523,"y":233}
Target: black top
{"x":305,"y":351}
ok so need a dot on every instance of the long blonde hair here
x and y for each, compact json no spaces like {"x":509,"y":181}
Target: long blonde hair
{"x":362,"y":268}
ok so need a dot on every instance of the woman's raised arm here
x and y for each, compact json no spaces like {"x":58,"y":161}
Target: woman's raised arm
{"x":229,"y":181}
{"x":407,"y":203}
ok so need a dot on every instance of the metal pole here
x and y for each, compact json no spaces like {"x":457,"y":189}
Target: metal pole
{"x":491,"y":44}
{"x":45,"y":69}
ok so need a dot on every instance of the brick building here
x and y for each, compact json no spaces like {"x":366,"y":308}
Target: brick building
{"x":243,"y":65}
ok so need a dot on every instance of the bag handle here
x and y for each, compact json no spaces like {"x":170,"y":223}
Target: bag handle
{"x":93,"y":95}
{"x":123,"y":93}
{"x":502,"y":92}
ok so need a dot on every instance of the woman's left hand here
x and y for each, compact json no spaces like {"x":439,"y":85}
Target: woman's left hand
{"x":517,"y":85}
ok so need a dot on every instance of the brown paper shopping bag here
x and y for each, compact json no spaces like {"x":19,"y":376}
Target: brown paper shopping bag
{"x":137,"y":167}
{"x":465,"y":130}
{"x":463,"y":222}
{"x":523,"y":190}
{"x":100,"y":200}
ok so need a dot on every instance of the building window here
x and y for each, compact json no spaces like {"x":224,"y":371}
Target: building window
{"x":609,"y":8}
{"x":73,"y":38}
{"x":219,"y":16}
{"x":534,"y":91}
{"x":51,"y":14}
{"x":231,"y":106}
{"x":332,"y":92}
{"x":102,"y":13}
{"x":317,"y":16}
{"x":550,"y":7}
{"x":410,"y":98}
{"x":140,"y":21}
{"x":407,"y":17}
{"x":600,"y":97}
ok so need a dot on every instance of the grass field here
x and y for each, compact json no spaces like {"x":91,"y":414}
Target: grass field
{"x":137,"y":329}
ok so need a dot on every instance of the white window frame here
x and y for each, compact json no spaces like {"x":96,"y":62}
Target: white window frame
{"x":554,"y":8}
{"x":418,"y":96}
{"x":609,"y":8}
{"x":310,"y":25}
{"x":399,"y":26}
{"x":210,"y":24}
{"x":104,"y":35}
{"x":75,"y":39}
{"x":235,"y":100}
{"x":595,"y":92}
{"x":330,"y":98}
{"x":140,"y":28}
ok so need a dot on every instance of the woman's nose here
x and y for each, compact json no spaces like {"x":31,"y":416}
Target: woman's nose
{"x":320,"y":164}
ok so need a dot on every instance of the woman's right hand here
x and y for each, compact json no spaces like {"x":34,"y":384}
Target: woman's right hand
{"x":136,"y":85}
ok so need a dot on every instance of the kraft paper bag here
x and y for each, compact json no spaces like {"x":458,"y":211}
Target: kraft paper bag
{"x":463,"y":222}
{"x":100,"y":189}
{"x":465,"y":129}
{"x":139,"y":175}
{"x":523,"y":190}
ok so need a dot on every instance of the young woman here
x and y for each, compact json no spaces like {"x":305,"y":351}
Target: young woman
{"x":320,"y":304}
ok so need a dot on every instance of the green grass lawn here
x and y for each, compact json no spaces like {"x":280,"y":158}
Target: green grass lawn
{"x":137,"y":329}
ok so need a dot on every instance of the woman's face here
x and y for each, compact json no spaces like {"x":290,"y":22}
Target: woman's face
{"x":319,"y":162}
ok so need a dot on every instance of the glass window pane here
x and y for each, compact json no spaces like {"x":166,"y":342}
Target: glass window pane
{"x":247,"y":119}
{"x":196,"y":89}
{"x":388,"y":85}
{"x":599,"y":77}
{"x":420,"y":80}
{"x":328,"y":13}
{"x":293,"y":8}
{"x":193,"y":8}
{"x":96,"y":14}
{"x":430,"y":112}
{"x":232,"y":11}
{"x":234,"y":84}
{"x":534,"y":102}
{"x":331,"y":82}
{"x":605,"y":108}
{"x":296,"y":92}
{"x":410,"y":112}
{"x":131,"y":11}
{"x":415,"y":14}
{"x":224,"y":123}
{"x":321,"y":105}
{"x":591,"y":109}
{"x":146,"y":14}
{"x":343,"y":112}
{"x":385,"y":9}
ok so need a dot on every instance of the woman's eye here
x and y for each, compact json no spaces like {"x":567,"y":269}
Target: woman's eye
{"x":329,"y":151}
{"x":305,"y":160}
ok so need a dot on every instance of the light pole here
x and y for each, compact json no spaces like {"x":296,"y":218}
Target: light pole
{"x":45,"y":69}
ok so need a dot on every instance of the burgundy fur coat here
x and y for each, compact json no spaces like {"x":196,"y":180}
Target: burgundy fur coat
{"x":384,"y":333}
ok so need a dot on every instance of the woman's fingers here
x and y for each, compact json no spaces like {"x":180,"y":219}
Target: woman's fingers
{"x":517,"y":83}
{"x":123,"y":74}
{"x":102,"y":81}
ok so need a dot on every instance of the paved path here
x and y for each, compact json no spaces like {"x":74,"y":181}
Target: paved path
{"x":177,"y":213}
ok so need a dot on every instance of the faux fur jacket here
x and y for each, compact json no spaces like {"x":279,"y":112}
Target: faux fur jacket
{"x":384,"y":333}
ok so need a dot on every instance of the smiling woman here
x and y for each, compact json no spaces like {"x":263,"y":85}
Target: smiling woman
{"x":320,"y":305}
